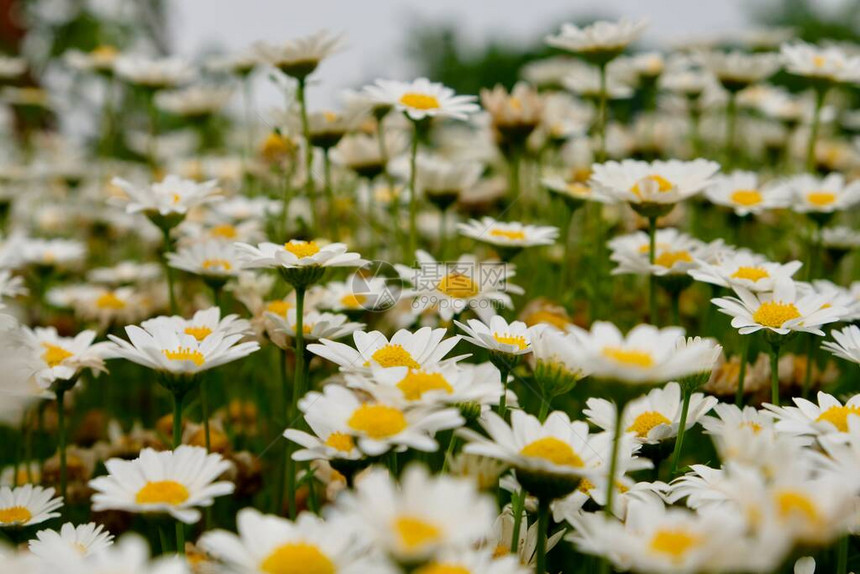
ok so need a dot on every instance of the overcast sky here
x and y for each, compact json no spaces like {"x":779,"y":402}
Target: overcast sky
{"x":376,"y":29}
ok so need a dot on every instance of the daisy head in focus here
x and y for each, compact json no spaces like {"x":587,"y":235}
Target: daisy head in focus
{"x":742,"y":192}
{"x":450,"y":288}
{"x":652,"y":418}
{"x":600,"y":42}
{"x":213,"y":260}
{"x":296,"y":255}
{"x":508,"y":235}
{"x":84,"y":539}
{"x":345,"y":421}
{"x":422,"y":99}
{"x":300,"y":57}
{"x":782,"y":311}
{"x":676,"y":253}
{"x":819,"y":196}
{"x":177,"y":483}
{"x":27,"y":505}
{"x":498,"y":336}
{"x":61,"y":359}
{"x":269,"y":543}
{"x":315,"y":325}
{"x":421,"y":516}
{"x":202,"y":324}
{"x":827,"y":416}
{"x":172,"y":196}
{"x":743,"y":269}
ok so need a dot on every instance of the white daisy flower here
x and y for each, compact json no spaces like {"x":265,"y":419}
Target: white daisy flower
{"x":299,"y":57}
{"x":375,"y":427}
{"x":27,"y":505}
{"x":499,"y":336}
{"x":175,"y":482}
{"x":647,"y":354}
{"x":202,"y":324}
{"x":658,"y":182}
{"x":829,"y":63}
{"x":11,"y":285}
{"x":62,"y":253}
{"x":652,"y":418}
{"x":12,"y":67}
{"x":503,"y":532}
{"x":513,"y":234}
{"x":840,"y":238}
{"x":357,"y":294}
{"x":125,"y":273}
{"x":268,"y":543}
{"x":315,"y":325}
{"x":168,"y":350}
{"x":419,"y":517}
{"x":810,"y":194}
{"x":845,"y":344}
{"x":827,"y":417}
{"x":736,"y":70}
{"x":781,"y":311}
{"x":676,"y":253}
{"x":130,"y":555}
{"x":741,"y":192}
{"x":210,"y":259}
{"x":425,"y":347}
{"x":100,"y":59}
{"x":476,"y":561}
{"x":602,"y":37}
{"x":422,"y":99}
{"x":194,"y":102}
{"x":297,"y":253}
{"x":584,"y":80}
{"x":153,"y":74}
{"x":747,"y":270}
{"x":62,"y":358}
{"x":86,"y":539}
{"x":171,"y":196}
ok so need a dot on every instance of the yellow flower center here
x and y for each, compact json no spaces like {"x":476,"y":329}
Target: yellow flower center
{"x":821,"y":198}
{"x":216,"y":264}
{"x":14,"y":515}
{"x":443,"y":568}
{"x":838,"y":416}
{"x":585,"y":486}
{"x":629,"y":357}
{"x":416,"y":532}
{"x":419,"y":101}
{"x":54,"y":354}
{"x":279,"y":308}
{"x":104,"y":52}
{"x":517,"y":341}
{"x":109,"y":300}
{"x":674,"y":542}
{"x":458,"y":286}
{"x":340,"y":441}
{"x":297,"y":558}
{"x":819,"y":61}
{"x":793,"y":504}
{"x":646,"y":421}
{"x":775,"y":314}
{"x":755,"y":427}
{"x":751,"y":273}
{"x":663,"y":185}
{"x":668,"y":259}
{"x":377,"y":421}
{"x":576,"y":188}
{"x":510,"y":234}
{"x":746,"y":197}
{"x":330,"y":117}
{"x":185,"y":354}
{"x":393,"y":355}
{"x":175,"y":198}
{"x":198,"y":333}
{"x":225,"y":231}
{"x":162,"y":492}
{"x":302,"y":249}
{"x":554,"y":450}
{"x":352,"y":301}
{"x":416,"y":383}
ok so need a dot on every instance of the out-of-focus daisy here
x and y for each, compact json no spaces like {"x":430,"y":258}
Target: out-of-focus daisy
{"x":676,"y":253}
{"x":268,"y":543}
{"x":299,"y":57}
{"x":357,"y":295}
{"x":12,"y":67}
{"x":424,"y":347}
{"x":195,"y":103}
{"x":839,"y":240}
{"x":213,"y":260}
{"x":27,"y":505}
{"x":813,"y":195}
{"x":499,"y":336}
{"x":315,"y":325}
{"x":375,"y":427}
{"x":130,"y":554}
{"x":419,"y":517}
{"x":153,"y":74}
{"x":62,"y":358}
{"x":781,"y":311}
{"x":746,"y":270}
{"x":175,"y":482}
{"x":481,"y":561}
{"x":599,"y":42}
{"x":441,"y":180}
{"x":845,"y":344}
{"x":508,"y":235}
{"x":201,"y":325}
{"x":514,"y":115}
{"x":86,"y":539}
{"x":422,"y":99}
{"x":652,"y":418}
{"x":125,"y":273}
{"x":822,"y":63}
{"x":47,"y":253}
{"x":172,"y":195}
{"x":741,"y":192}
{"x":659,"y":182}
{"x":827,"y":417}
{"x":737,"y":70}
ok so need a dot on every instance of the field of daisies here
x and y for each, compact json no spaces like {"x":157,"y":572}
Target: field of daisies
{"x":600,"y":322}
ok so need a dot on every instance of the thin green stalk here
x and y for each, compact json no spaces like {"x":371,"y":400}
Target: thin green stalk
{"x":731,"y":119}
{"x":413,"y":195}
{"x":503,"y":399}
{"x":153,"y":132}
{"x":545,"y":403}
{"x":675,"y":298}
{"x":329,"y":195}
{"x":842,"y":554}
{"x":298,"y":388}
{"x":178,"y":398}
{"x":204,"y":407}
{"x":180,"y":538}
{"x":61,"y":432}
{"x":652,"y":279}
{"x":449,"y":453}
{"x":820,"y":93}
{"x":543,"y":527}
{"x":168,"y":271}
{"x":810,"y":363}
{"x":742,"y":372}
{"x":443,"y":233}
{"x":309,"y":150}
{"x":602,"y":113}
{"x":162,"y":538}
{"x":682,"y":428}
{"x":514,"y":175}
{"x":613,"y":461}
{"x":517,"y":507}
{"x":280,"y":420}
{"x":774,"y":374}
{"x":565,"y":258}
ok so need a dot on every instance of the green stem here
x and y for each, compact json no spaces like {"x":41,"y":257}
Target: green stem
{"x":517,"y":509}
{"x":543,"y":527}
{"x":602,"y":113}
{"x":61,"y":431}
{"x":545,"y":403}
{"x":565,"y":258}
{"x":810,"y":362}
{"x":842,"y":554}
{"x":180,"y":538}
{"x":204,"y":407}
{"x":329,"y":195}
{"x":774,"y":374}
{"x":742,"y":372}
{"x":162,"y":538}
{"x":652,"y":279}
{"x":820,"y":93}
{"x":178,"y":397}
{"x":280,"y":420}
{"x":682,"y":428}
{"x":413,"y":195}
{"x":449,"y":453}
{"x":503,"y":399}
{"x":613,"y":461}
{"x":731,"y":117}
{"x":298,"y":388}
{"x":675,"y":298}
{"x":514,"y":175}
{"x":309,"y":150}
{"x":443,"y":233}
{"x":168,"y":271}
{"x":153,"y":132}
